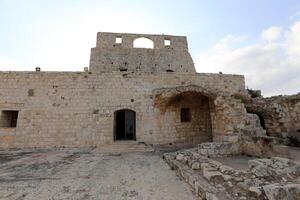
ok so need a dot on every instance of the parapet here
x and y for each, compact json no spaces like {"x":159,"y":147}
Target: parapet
{"x":120,"y":52}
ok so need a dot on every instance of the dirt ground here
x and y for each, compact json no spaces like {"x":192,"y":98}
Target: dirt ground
{"x":241,"y":161}
{"x":81,"y":174}
{"x":236,"y":162}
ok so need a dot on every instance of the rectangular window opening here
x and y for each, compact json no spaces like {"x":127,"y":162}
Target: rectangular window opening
{"x":9,"y":118}
{"x":185,"y":115}
{"x":123,"y":69}
{"x":118,"y":40}
{"x":167,"y":42}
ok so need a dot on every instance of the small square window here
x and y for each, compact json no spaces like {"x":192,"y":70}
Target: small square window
{"x":185,"y":115}
{"x":167,"y":42}
{"x":118,"y":40}
{"x":9,"y":118}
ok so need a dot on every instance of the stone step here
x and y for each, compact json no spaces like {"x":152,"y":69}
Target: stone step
{"x":124,"y":147}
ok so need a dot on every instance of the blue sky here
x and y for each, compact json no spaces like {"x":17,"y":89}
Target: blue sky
{"x":253,"y":37}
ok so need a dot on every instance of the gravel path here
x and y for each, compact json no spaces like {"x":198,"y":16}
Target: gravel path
{"x":78,"y":174}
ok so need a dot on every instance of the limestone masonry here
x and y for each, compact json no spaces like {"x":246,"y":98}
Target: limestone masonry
{"x":148,"y":95}
{"x":142,"y":93}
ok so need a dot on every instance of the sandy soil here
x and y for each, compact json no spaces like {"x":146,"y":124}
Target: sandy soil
{"x":79,"y":174}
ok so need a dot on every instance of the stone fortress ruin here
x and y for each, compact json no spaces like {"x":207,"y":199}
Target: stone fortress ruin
{"x":148,"y":97}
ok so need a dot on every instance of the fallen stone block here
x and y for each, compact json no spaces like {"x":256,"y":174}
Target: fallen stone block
{"x":196,"y":166}
{"x":255,"y":192}
{"x":210,"y":196}
{"x":215,"y":176}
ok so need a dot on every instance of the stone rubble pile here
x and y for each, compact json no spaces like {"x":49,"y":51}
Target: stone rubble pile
{"x":275,"y":178}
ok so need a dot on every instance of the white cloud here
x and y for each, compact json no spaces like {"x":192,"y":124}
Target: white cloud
{"x":271,"y":34}
{"x":272,"y":66}
{"x":293,"y":40}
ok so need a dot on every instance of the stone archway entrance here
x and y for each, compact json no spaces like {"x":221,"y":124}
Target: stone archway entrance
{"x":124,"y":125}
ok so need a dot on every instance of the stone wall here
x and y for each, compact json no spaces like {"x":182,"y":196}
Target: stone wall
{"x":75,"y":109}
{"x":197,"y":129}
{"x":262,"y":146}
{"x":110,"y":56}
{"x":218,"y":149}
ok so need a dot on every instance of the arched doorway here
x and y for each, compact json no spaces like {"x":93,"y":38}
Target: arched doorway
{"x":124,"y":125}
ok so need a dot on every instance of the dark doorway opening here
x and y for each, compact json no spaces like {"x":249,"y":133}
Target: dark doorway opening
{"x":261,"y":119}
{"x":124,"y":128}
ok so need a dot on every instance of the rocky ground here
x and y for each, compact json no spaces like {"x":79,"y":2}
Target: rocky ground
{"x":86,"y":174}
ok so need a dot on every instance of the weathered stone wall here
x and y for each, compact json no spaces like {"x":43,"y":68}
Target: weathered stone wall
{"x":229,"y":118}
{"x":281,"y":115}
{"x":198,"y":129}
{"x":262,"y":146}
{"x":253,"y":126}
{"x":227,"y":114}
{"x":218,"y":149}
{"x":110,"y":56}
{"x":76,"y":109}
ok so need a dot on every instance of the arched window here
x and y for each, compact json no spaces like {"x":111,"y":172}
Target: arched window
{"x":143,"y":43}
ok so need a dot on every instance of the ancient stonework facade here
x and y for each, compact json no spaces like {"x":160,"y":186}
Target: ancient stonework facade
{"x":155,"y":90}
{"x":143,"y":99}
{"x":148,"y":95}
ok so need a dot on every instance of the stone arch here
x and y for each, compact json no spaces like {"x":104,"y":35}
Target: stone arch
{"x":169,"y":92}
{"x":124,"y":124}
{"x":143,"y":42}
{"x":185,"y":114}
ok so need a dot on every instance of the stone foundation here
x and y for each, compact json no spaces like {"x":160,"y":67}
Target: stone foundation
{"x":214,"y":149}
{"x":275,"y":178}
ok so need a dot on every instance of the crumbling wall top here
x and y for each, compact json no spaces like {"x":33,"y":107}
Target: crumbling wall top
{"x":126,"y":52}
{"x":108,"y":40}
